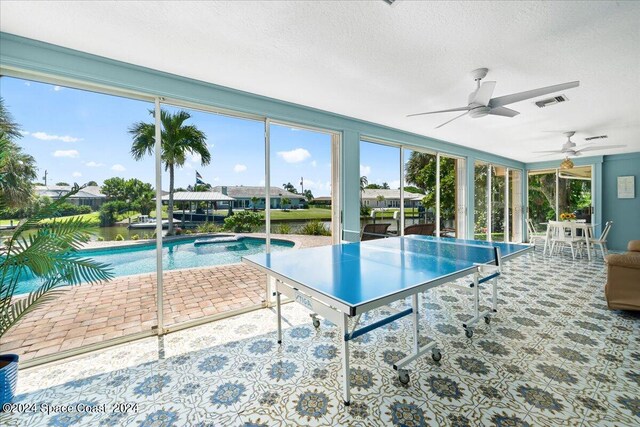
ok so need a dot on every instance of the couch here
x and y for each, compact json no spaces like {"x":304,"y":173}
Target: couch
{"x":623,"y":279}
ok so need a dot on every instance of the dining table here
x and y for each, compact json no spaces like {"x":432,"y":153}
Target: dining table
{"x":574,"y":226}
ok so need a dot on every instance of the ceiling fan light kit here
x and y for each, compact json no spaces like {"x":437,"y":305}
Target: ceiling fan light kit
{"x":566,"y":164}
{"x":481,"y":104}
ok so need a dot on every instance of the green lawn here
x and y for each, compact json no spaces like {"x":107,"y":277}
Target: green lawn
{"x":93,"y":218}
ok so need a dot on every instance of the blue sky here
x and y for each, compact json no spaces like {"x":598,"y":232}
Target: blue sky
{"x":78,"y":136}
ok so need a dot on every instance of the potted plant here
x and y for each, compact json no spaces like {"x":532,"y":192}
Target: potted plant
{"x":51,"y":254}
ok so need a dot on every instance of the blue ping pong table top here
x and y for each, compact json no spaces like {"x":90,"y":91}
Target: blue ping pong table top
{"x":359,"y":273}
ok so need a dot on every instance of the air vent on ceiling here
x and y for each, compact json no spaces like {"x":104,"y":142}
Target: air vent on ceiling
{"x":596,"y":137}
{"x":551,"y":101}
{"x":389,"y":1}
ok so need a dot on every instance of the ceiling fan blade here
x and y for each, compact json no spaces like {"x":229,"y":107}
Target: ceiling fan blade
{"x":456,"y":117}
{"x":549,"y":151}
{"x":521,"y":96}
{"x":599,"y":147}
{"x":440,"y":111}
{"x":483,"y":95}
{"x":504,"y":111}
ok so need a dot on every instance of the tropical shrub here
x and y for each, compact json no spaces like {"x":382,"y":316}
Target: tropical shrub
{"x":315,"y":228}
{"x":283,"y":229}
{"x":365,"y":210}
{"x":188,"y":232}
{"x":243,"y":222}
{"x":109,"y":212}
{"x":135,"y":237}
{"x":119,"y":238}
{"x":207,"y":227}
{"x":100,"y":239}
{"x":178,"y":231}
{"x":145,"y":236}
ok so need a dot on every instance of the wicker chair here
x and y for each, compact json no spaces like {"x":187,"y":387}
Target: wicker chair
{"x":374,"y":231}
{"x":424,"y":229}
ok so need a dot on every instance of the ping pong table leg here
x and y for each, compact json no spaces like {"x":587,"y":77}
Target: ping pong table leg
{"x":416,"y":319}
{"x":346,"y":393}
{"x":494,"y":299}
{"x":279,"y":314}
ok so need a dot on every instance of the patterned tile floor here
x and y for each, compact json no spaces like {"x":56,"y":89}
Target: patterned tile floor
{"x":552,"y":356}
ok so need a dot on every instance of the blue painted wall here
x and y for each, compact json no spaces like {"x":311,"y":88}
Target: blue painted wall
{"x":625,"y":213}
{"x":19,"y":55}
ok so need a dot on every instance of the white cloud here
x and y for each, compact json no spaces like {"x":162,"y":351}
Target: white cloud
{"x":294,"y":156}
{"x":24,"y":133}
{"x":27,"y":83}
{"x":239,"y":168}
{"x":66,"y":153}
{"x":118,"y":168}
{"x":314,"y":163}
{"x":365,"y":170}
{"x":46,"y":137}
{"x":76,"y":174}
{"x":93,"y":164}
{"x":216,"y":179}
{"x":194,"y":158}
{"x":57,"y":88}
{"x":395,"y":184}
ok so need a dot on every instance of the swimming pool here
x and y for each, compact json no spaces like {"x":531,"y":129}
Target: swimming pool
{"x":177,"y":254}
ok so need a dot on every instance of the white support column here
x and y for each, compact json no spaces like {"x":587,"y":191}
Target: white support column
{"x":461,"y":199}
{"x":158,"y":164}
{"x":336,"y":196}
{"x":401,"y":231}
{"x":267,"y":183}
{"x":506,"y":227}
{"x":489,"y":207}
{"x":438,"y":194}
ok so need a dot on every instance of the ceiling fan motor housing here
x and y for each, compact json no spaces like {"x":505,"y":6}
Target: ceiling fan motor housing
{"x":480,"y":111}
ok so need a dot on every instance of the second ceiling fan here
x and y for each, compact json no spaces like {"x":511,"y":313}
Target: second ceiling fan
{"x":481,"y":104}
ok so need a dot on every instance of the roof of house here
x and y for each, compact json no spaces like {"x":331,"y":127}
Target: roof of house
{"x":198,"y":196}
{"x":373,"y":193}
{"x":245,"y":191}
{"x":55,"y":191}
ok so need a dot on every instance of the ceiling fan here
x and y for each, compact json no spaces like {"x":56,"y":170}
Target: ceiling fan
{"x":569,"y":147}
{"x":481,"y":104}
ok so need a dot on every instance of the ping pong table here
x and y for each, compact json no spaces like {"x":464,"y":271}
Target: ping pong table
{"x":341,"y":282}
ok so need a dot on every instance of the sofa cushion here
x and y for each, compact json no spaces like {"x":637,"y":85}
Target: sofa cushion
{"x":634,"y":246}
{"x":628,"y":259}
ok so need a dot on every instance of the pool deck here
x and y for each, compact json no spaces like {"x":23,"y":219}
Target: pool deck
{"x":90,"y":314}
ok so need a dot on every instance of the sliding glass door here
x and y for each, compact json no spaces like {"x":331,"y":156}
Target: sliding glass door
{"x":498,"y":203}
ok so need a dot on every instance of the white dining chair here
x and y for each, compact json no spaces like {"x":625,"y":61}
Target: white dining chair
{"x":560,"y":238}
{"x":535,"y":236}
{"x":602,"y":241}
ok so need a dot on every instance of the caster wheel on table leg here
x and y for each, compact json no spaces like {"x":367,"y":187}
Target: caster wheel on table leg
{"x":436,"y":355}
{"x":346,"y":403}
{"x":403,"y":376}
{"x":468,"y":332}
{"x":487,"y":319}
{"x":316,"y":323}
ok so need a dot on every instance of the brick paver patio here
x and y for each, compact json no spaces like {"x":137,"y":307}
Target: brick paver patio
{"x":90,"y":314}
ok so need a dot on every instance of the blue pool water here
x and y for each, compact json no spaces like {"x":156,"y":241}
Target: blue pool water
{"x":129,"y":260}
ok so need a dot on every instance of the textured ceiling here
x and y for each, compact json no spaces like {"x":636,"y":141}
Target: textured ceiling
{"x":378,"y":62}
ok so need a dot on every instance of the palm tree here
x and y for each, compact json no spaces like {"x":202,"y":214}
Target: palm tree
{"x":17,"y":169}
{"x":178,"y":140}
{"x":254,"y":203}
{"x":363,"y":183}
